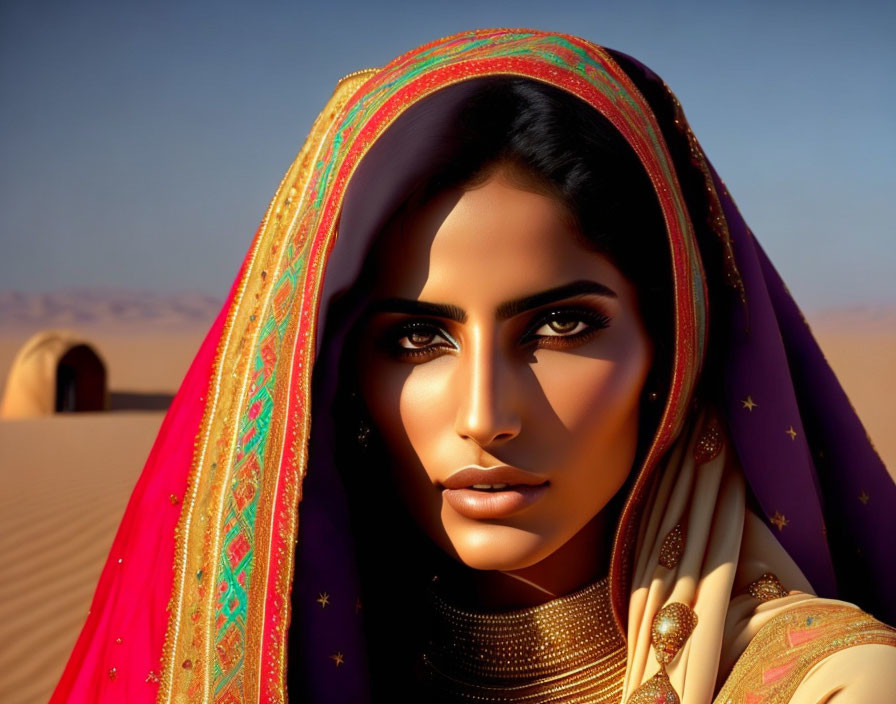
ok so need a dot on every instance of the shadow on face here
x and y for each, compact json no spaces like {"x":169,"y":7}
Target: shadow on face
{"x":493,"y":336}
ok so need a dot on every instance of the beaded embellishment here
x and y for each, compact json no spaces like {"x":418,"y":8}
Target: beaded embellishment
{"x":710,"y":443}
{"x":767,"y":587}
{"x":672,"y":626}
{"x":672,"y":548}
{"x":567,"y":649}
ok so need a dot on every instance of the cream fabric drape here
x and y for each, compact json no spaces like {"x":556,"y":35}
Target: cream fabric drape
{"x":726,"y":547}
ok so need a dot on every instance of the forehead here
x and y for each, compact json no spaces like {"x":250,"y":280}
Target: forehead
{"x":493,"y":239}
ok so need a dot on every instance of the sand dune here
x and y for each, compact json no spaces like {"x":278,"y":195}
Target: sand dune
{"x":67,"y":478}
{"x":860,"y":346}
{"x":66,"y":481}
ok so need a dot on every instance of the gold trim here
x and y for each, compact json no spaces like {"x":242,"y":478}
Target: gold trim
{"x":366,"y":72}
{"x":186,"y":544}
{"x":717,"y":221}
{"x":671,"y":410}
{"x":220,"y":418}
{"x":184,"y":526}
{"x":345,"y":89}
{"x":844,"y":626}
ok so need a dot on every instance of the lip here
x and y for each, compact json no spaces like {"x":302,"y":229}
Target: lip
{"x":499,"y":474}
{"x":474,"y":503}
{"x":523,"y":490}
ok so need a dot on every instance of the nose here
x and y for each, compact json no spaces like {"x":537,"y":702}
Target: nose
{"x":486,"y":411}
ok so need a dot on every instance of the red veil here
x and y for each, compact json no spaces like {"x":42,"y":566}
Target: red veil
{"x":204,"y":581}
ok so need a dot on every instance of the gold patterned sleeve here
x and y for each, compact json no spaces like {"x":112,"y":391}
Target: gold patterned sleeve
{"x":823,"y":650}
{"x":854,"y":675}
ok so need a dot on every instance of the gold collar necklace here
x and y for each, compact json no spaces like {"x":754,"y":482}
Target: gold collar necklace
{"x":567,"y":649}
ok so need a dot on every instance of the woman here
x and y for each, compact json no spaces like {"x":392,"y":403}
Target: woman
{"x":394,"y":322}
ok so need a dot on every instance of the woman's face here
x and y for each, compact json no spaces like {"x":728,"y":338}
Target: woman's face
{"x":496,"y":338}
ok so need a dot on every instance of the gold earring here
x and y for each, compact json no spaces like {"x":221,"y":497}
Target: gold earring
{"x":363,"y":428}
{"x":363,"y":434}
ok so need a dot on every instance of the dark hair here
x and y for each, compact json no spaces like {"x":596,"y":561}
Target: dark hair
{"x":550,"y":141}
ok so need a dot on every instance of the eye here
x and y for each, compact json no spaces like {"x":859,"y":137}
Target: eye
{"x":558,"y":328}
{"x":562,"y":326}
{"x":415,"y":338}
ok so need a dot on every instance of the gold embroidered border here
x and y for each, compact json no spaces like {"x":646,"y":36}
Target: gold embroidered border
{"x":189,"y":647}
{"x":274,"y":649}
{"x":187,"y":659}
{"x":717,"y":221}
{"x":843,"y":626}
{"x":190,"y":541}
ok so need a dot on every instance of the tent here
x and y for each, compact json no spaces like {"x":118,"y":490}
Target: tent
{"x":56,"y":371}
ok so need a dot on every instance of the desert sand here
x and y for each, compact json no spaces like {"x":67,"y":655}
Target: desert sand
{"x":67,"y":478}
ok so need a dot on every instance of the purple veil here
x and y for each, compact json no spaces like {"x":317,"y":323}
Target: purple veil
{"x":809,"y":462}
{"x":834,"y":489}
{"x":812,"y":471}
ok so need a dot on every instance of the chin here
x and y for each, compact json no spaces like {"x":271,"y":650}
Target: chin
{"x":498,"y":547}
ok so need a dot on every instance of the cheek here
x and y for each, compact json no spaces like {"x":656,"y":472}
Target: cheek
{"x":382,"y":385}
{"x":406,"y":405}
{"x":579,"y":387}
{"x":595,"y":397}
{"x":409,"y":407}
{"x":426,"y":411}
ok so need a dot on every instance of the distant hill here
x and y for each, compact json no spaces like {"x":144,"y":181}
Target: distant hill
{"x":106,"y":307}
{"x":880,"y":318}
{"x":118,"y":306}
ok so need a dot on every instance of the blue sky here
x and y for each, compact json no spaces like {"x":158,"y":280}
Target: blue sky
{"x":140,"y":142}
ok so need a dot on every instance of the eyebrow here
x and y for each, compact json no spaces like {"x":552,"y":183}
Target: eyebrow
{"x":506,"y":310}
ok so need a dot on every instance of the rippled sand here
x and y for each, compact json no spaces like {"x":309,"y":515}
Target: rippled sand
{"x":66,"y":479}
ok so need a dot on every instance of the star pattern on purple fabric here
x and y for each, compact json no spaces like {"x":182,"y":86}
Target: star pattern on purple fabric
{"x":791,"y":432}
{"x":749,"y":403}
{"x":337,"y":658}
{"x":863,"y":497}
{"x":323,"y":599}
{"x":780,"y":520}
